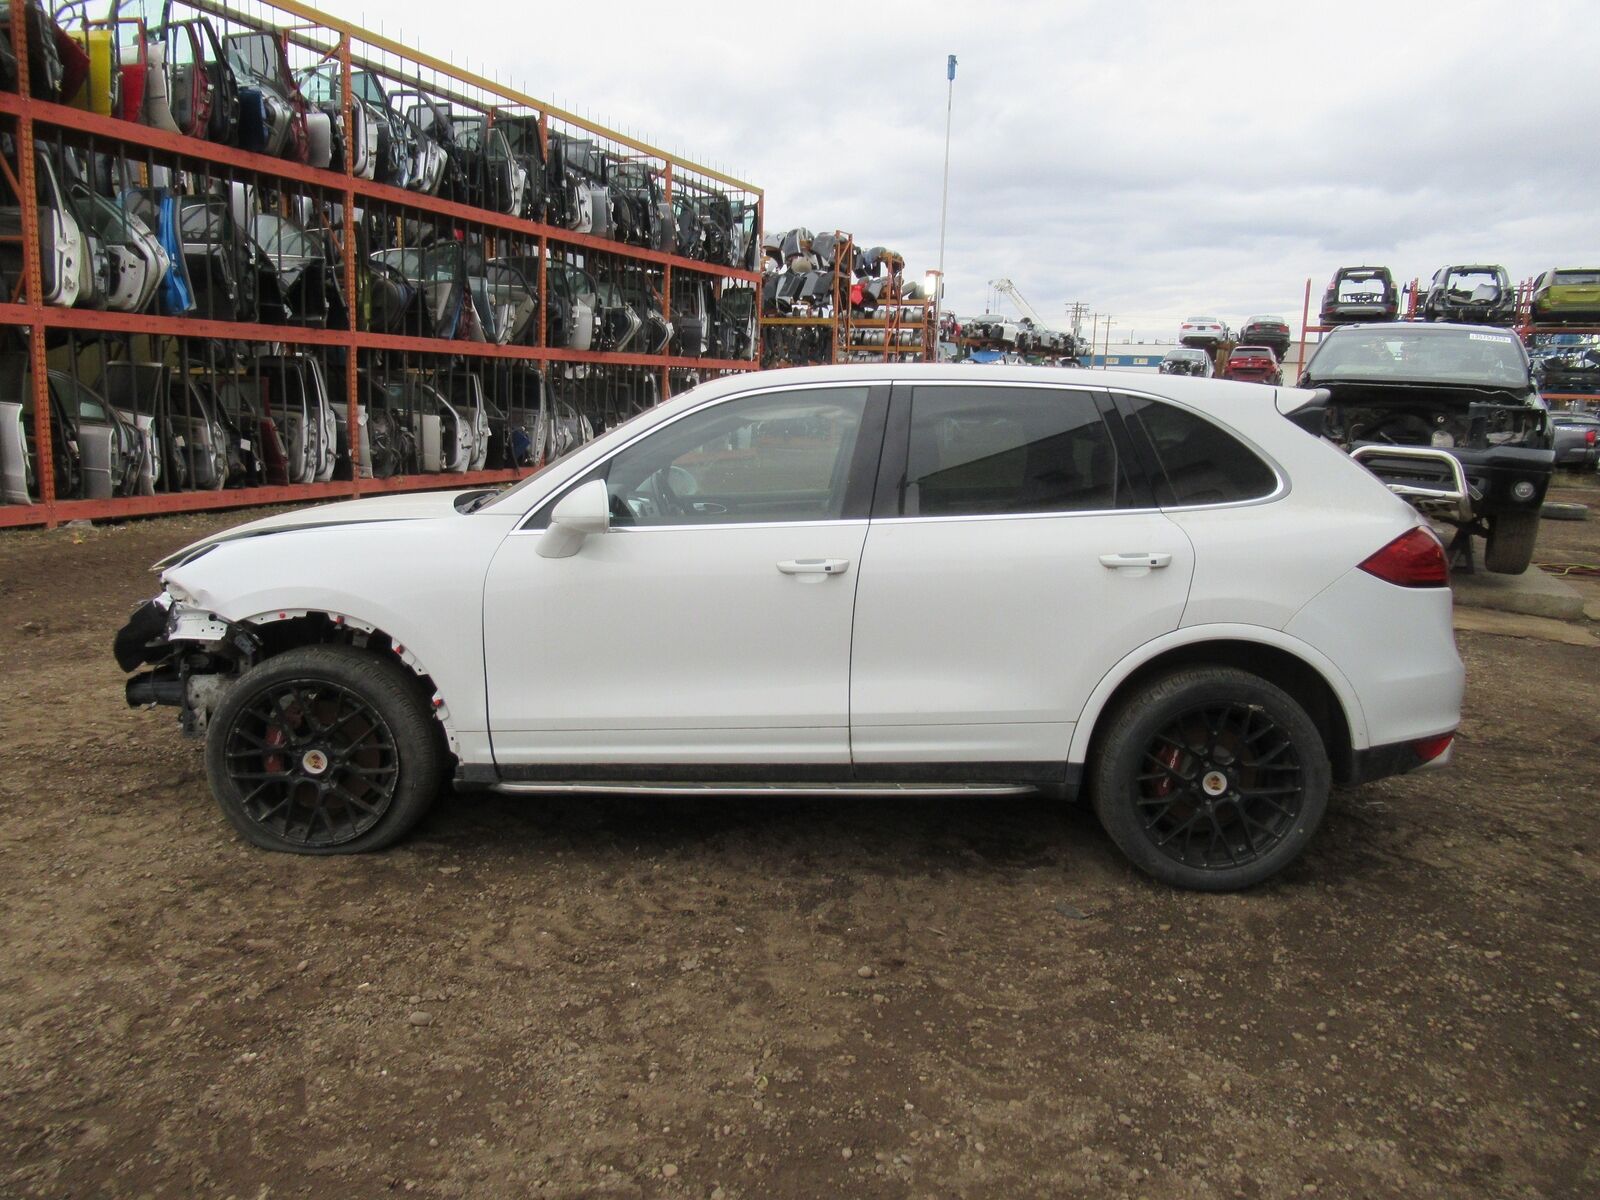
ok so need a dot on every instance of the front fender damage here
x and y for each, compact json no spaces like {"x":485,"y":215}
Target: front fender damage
{"x":195,"y":655}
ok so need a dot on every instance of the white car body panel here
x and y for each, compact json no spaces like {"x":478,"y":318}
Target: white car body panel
{"x":326,"y":424}
{"x":366,"y":569}
{"x":319,"y":138}
{"x":427,"y":429}
{"x":1400,"y":656}
{"x":761,"y":671}
{"x":1197,"y":635}
{"x":973,"y":629}
{"x":16,"y":468}
{"x":100,"y":460}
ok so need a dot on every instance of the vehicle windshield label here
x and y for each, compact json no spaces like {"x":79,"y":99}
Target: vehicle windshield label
{"x":1488,"y":337}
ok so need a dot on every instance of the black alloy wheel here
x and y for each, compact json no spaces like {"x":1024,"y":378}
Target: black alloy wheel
{"x":1211,"y":778}
{"x":1222,"y":786}
{"x":324,"y":750}
{"x":314,"y":763}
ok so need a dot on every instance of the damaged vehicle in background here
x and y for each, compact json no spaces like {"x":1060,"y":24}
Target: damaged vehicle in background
{"x":1448,"y":417}
{"x":1360,"y":294}
{"x":1187,"y":360}
{"x":1566,"y":363}
{"x":1471,"y":295}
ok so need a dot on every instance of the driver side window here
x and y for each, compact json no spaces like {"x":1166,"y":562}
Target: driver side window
{"x":782,"y":456}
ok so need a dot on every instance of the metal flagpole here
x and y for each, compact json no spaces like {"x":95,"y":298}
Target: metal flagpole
{"x":944,"y":204}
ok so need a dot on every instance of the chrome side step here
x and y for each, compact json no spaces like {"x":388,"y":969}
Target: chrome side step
{"x":769,"y":789}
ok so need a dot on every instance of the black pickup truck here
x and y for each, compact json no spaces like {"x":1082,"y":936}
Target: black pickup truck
{"x":1449,"y":417}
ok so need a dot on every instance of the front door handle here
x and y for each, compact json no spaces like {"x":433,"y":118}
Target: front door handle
{"x":814,"y":566}
{"x":1142,"y":559}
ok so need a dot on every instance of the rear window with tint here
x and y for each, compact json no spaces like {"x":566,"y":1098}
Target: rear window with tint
{"x":1200,"y":463}
{"x":996,"y":449}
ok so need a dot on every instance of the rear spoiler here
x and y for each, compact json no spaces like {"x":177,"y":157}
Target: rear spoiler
{"x":1305,"y":407}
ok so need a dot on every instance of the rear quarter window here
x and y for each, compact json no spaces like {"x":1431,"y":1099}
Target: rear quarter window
{"x":1195,"y":461}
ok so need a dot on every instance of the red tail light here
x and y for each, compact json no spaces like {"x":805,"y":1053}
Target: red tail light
{"x":1428,"y":749}
{"x":1414,"y":559}
{"x":1588,"y":436}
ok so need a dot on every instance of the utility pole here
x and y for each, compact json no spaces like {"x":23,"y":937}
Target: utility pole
{"x":1105,"y":361}
{"x":944,"y":200}
{"x":1076,"y":309}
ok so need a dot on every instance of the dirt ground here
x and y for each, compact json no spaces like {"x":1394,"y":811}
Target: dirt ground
{"x":728,"y":998}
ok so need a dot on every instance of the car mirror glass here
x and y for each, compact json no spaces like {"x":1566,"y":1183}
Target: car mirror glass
{"x":583,"y":511}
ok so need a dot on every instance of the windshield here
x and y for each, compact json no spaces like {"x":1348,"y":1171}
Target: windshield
{"x":1576,"y":278}
{"x":1394,"y":355}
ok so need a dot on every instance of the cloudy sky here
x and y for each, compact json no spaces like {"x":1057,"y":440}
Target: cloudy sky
{"x":1154,"y":160}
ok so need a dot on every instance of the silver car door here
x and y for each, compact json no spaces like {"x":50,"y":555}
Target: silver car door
{"x":16,"y":470}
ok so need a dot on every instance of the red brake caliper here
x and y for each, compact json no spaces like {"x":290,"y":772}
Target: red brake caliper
{"x":1167,"y":757}
{"x":275,"y":763}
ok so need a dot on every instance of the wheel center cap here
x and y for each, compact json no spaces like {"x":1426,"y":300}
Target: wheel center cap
{"x":315,"y":762}
{"x":1214,"y":783}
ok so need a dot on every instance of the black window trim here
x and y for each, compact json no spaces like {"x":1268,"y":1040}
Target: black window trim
{"x":897,"y":453}
{"x":1152,"y":468}
{"x":859,"y":489}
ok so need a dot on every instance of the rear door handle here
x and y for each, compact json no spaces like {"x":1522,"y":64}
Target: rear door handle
{"x":814,"y":566}
{"x":1143,"y":559}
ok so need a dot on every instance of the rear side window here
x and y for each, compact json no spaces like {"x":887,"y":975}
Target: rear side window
{"x":988,"y":450}
{"x":1197,"y":462}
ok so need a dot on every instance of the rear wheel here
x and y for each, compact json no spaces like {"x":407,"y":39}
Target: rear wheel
{"x":1509,"y":548}
{"x":324,"y":750}
{"x":1211,"y":778}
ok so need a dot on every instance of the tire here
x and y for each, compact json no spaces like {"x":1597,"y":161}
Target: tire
{"x":1218,"y":751}
{"x":325,"y":750}
{"x":1509,"y":547}
{"x":1555,"y":510}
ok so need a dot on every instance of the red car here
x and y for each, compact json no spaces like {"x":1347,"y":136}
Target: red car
{"x":1253,"y":364}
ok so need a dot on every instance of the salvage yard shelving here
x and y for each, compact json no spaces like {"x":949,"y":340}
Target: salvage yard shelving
{"x":509,"y":280}
{"x":834,"y":286}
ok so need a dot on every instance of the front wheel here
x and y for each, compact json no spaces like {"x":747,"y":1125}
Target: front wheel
{"x":1211,"y":779}
{"x":324,"y":750}
{"x":1509,"y":547}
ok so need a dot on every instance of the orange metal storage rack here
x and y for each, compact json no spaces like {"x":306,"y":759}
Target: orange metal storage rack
{"x":354,"y":46}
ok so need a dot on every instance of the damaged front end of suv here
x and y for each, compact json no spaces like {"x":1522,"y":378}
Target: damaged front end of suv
{"x":1448,"y":417}
{"x":193,"y":655}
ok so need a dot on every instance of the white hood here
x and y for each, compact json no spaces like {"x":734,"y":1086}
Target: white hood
{"x":407,"y":506}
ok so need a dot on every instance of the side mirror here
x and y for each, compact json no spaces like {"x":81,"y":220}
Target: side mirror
{"x":581,"y":512}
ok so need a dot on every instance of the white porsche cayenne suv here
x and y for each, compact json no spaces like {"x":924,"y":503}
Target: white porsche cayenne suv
{"x":1161,"y":593}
